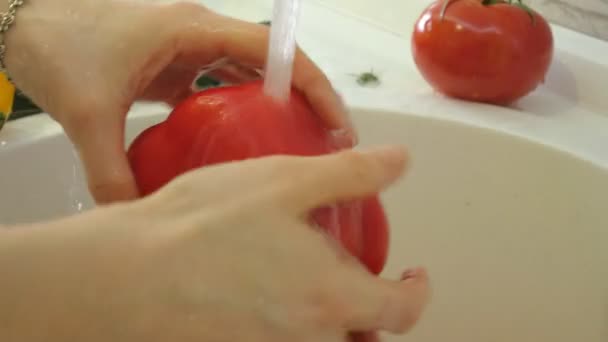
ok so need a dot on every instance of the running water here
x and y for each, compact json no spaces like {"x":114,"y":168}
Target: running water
{"x":342,"y":221}
{"x":281,"y":49}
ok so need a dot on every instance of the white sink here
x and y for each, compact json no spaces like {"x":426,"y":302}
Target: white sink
{"x":514,"y":233}
{"x":505,"y":206}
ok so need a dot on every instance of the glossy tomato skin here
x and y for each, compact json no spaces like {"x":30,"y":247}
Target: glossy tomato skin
{"x":486,"y":53}
{"x":235,"y":123}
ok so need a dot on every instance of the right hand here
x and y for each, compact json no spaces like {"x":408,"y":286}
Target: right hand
{"x":220,"y":254}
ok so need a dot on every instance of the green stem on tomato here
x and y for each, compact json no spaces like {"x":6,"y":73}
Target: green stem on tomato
{"x":494,"y":2}
{"x":526,"y":8}
{"x":517,"y":3}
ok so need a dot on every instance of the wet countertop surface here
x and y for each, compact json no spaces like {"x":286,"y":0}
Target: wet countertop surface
{"x":570,"y":112}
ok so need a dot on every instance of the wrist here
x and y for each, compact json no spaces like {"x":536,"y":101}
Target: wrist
{"x":20,"y":36}
{"x":7,"y":21}
{"x":39,"y":26}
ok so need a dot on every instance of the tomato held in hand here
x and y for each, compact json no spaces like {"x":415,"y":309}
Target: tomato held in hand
{"x":239,"y":122}
{"x":493,"y":51}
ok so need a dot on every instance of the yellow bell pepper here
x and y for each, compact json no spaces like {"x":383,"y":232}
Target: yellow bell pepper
{"x":7,"y":96}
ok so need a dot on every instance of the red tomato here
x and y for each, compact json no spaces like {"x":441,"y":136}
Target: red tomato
{"x":238,"y":122}
{"x":487,"y":51}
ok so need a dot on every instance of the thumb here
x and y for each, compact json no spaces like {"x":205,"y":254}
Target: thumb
{"x":99,"y":140}
{"x":380,"y":304}
{"x":343,"y":175}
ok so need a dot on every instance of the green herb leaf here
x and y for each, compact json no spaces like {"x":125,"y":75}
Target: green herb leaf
{"x":368,"y":78}
{"x":205,"y":82}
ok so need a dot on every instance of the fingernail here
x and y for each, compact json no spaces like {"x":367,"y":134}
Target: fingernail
{"x":411,"y":273}
{"x":391,"y":155}
{"x":347,"y":122}
{"x":343,"y":138}
{"x":341,"y":102}
{"x":407,"y":274}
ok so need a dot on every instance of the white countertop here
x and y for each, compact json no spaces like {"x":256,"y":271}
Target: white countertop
{"x":570,"y":112}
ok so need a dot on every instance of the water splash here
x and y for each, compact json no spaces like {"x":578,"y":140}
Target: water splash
{"x":75,"y":203}
{"x":281,"y":49}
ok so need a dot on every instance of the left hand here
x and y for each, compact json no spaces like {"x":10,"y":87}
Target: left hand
{"x":212,"y":256}
{"x":86,"y":61}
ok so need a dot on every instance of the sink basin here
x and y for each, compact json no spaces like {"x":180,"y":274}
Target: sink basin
{"x":514,"y":233}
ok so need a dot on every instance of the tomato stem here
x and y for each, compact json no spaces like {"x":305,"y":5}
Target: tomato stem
{"x":444,"y":7}
{"x":526,"y":8}
{"x":516,"y":3}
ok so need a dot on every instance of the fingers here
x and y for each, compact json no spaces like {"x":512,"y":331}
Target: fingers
{"x":341,"y":176}
{"x":380,"y":304}
{"x":172,"y":85}
{"x":99,"y":140}
{"x":234,"y":73}
{"x":211,"y":37}
{"x":315,"y":85}
{"x":296,"y":184}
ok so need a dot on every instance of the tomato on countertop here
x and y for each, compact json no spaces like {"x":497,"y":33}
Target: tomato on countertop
{"x":493,"y":51}
{"x":233,"y":123}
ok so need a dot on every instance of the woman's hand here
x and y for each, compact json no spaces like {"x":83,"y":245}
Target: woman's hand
{"x":213,"y":256}
{"x":86,"y":61}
